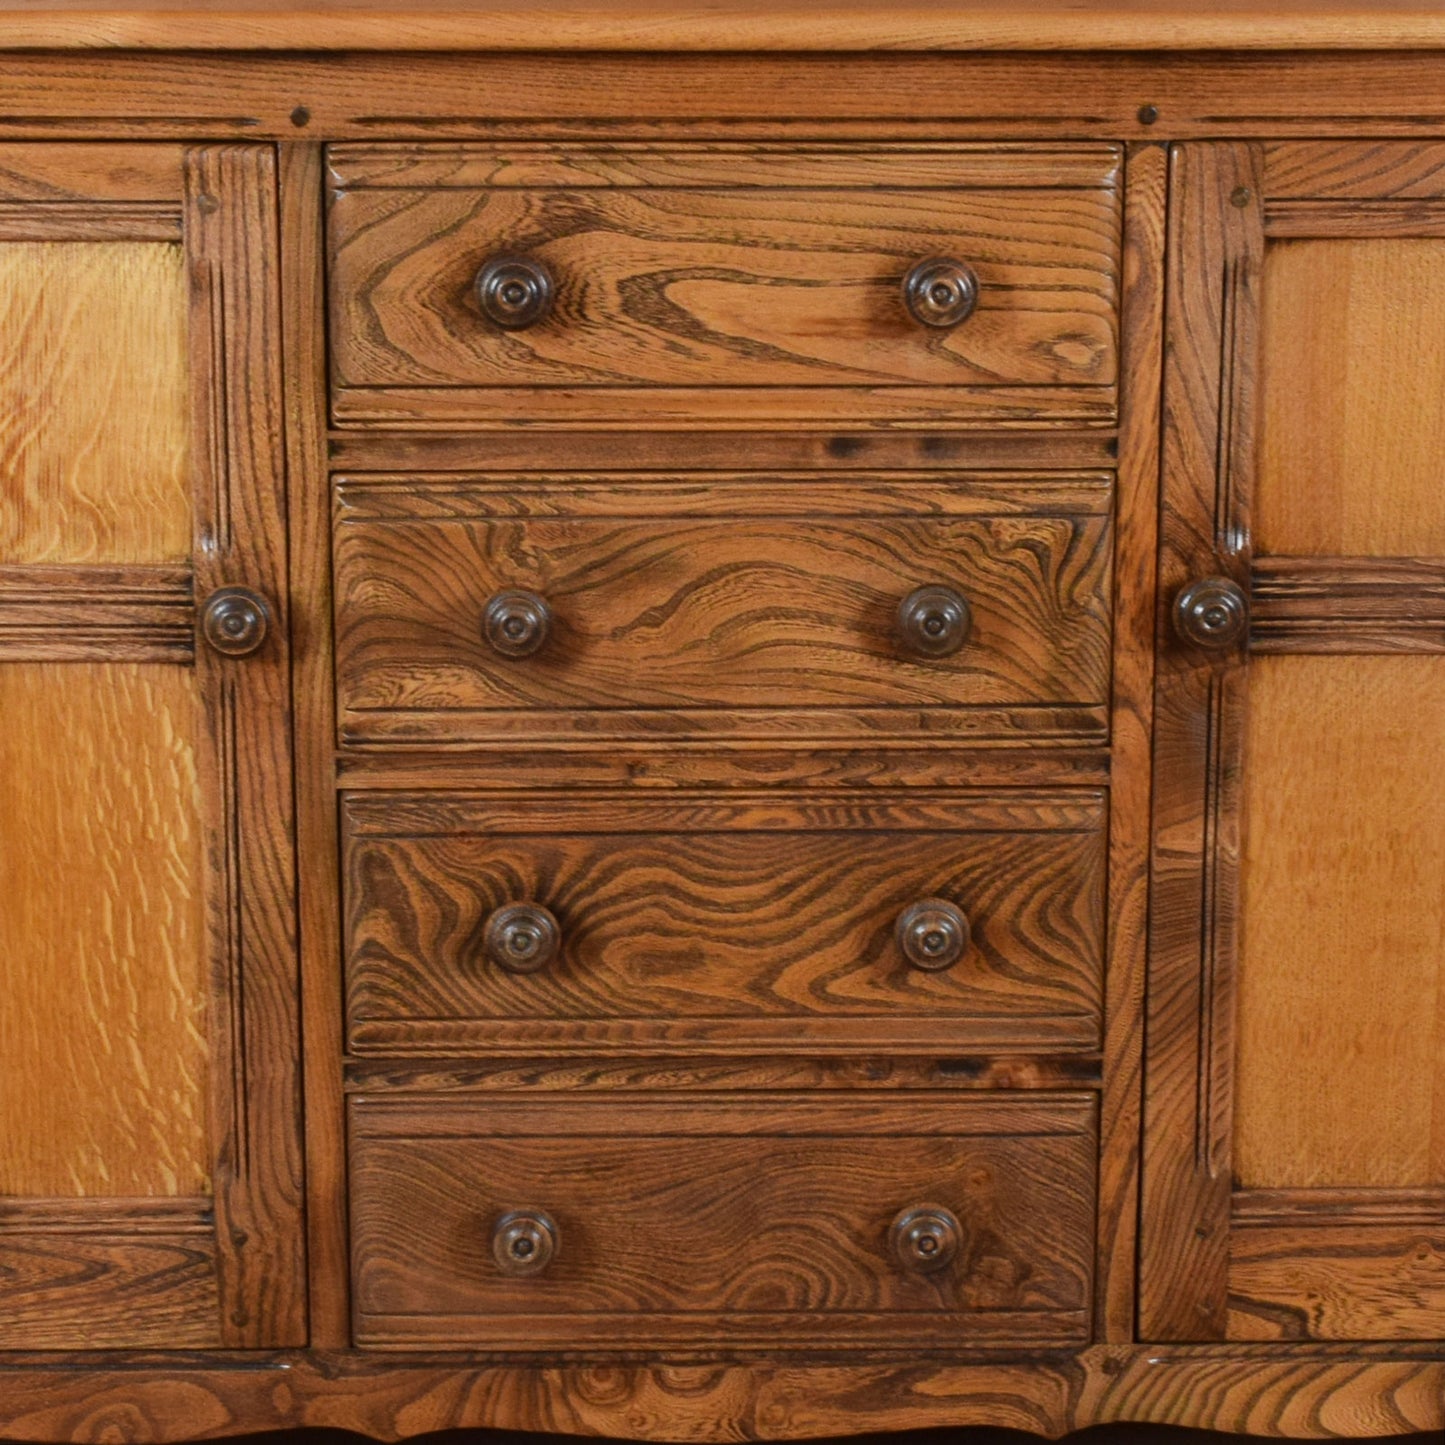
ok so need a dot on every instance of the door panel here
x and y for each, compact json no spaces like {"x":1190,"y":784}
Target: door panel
{"x":1295,"y":1093}
{"x":150,"y":1189}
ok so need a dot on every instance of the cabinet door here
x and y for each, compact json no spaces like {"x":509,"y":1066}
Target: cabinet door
{"x":149,"y":1136}
{"x":1294,"y":1180}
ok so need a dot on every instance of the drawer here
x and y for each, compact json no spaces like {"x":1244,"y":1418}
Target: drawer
{"x":728,"y":285}
{"x":757,"y":923}
{"x":722,"y":607}
{"x":777,"y":1222}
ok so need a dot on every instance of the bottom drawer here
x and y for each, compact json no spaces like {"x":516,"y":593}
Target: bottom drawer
{"x":851,"y":1220}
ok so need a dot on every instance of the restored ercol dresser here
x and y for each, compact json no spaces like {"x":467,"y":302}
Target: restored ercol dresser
{"x":721,"y":721}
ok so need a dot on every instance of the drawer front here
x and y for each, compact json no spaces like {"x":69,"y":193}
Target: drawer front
{"x":703,"y":923}
{"x":721,"y":607}
{"x":518,"y":1224}
{"x":724,"y":285}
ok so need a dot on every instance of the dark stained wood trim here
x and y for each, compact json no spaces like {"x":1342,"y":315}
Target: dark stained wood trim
{"x":303,"y":323}
{"x":1347,"y":605}
{"x":1216,"y":245}
{"x":132,"y":1273}
{"x":240,"y":505}
{"x":1131,"y":726}
{"x":89,"y":221}
{"x":1332,"y":219}
{"x":1314,"y":1391}
{"x":1338,"y":1206}
{"x":96,"y":613}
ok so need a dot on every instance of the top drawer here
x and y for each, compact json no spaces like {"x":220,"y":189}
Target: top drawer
{"x":737,"y":285}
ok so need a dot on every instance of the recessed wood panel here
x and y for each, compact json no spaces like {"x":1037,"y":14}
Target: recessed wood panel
{"x":1341,"y":1061}
{"x":93,"y":403}
{"x":102,"y":1074}
{"x":1353,"y":377}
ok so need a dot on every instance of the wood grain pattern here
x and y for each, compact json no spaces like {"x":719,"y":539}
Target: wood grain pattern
{"x":713,"y":1220}
{"x":715,"y":608}
{"x":760,"y":934}
{"x":1349,"y":466}
{"x":95,"y":448}
{"x":1347,"y":605}
{"x":313,"y":696}
{"x":1217,"y":243}
{"x":1337,"y":1265}
{"x":246,"y":763}
{"x":88,"y":613}
{"x":1321,"y":1393}
{"x":1341,"y":1063}
{"x":108,"y":1274}
{"x":609,"y":25}
{"x":1131,"y":730}
{"x":103,"y":1077}
{"x":675,"y":272}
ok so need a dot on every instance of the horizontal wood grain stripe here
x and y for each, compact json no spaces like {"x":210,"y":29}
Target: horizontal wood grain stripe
{"x":1348,"y":604}
{"x":1353,"y":171}
{"x":73,"y":613}
{"x":443,"y":814}
{"x":902,"y":1072}
{"x":421,"y":497}
{"x":1353,"y":1279}
{"x":757,"y":166}
{"x":97,"y":175}
{"x":661,"y":452}
{"x":87,"y":221}
{"x":108,"y":1273}
{"x":1331,"y":219}
{"x":1270,"y":1208}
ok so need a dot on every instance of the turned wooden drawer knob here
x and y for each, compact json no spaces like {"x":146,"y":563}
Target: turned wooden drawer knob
{"x":934,"y":621}
{"x":235,"y":621}
{"x":525,"y":1241}
{"x":932,"y":935}
{"x":517,"y":624}
{"x":926,"y":1238}
{"x":940,"y":292}
{"x":1212,"y":613}
{"x":522,"y":938}
{"x":515,"y":292}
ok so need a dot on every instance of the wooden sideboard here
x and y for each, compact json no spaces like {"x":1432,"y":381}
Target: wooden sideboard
{"x":724,"y":721}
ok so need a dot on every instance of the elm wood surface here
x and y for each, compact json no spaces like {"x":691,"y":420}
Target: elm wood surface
{"x":1277,"y":1390}
{"x":705,"y":1221}
{"x":724,"y":25}
{"x":728,"y":288}
{"x":723,"y":923}
{"x":717,"y":606}
{"x":1352,"y":605}
{"x":83,"y":612}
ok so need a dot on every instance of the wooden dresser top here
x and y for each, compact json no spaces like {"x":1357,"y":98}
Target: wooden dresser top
{"x":722,"y":25}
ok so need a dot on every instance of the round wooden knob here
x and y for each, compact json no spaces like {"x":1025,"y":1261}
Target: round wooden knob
{"x":926,"y":1238}
{"x":932,"y":935}
{"x":940,"y":292}
{"x":522,"y":938}
{"x":517,"y":624}
{"x":515,"y":292}
{"x":934,"y":621}
{"x":235,"y":621}
{"x":1212,"y":613}
{"x":525,"y":1241}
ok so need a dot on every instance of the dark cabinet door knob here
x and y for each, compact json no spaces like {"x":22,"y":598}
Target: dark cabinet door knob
{"x":515,"y":292}
{"x":1212,"y":613}
{"x":934,"y":621}
{"x":940,"y":292}
{"x":525,"y":1241}
{"x":235,"y":621}
{"x":517,"y":624}
{"x":932,"y":935}
{"x":926,"y":1238}
{"x":522,"y":938}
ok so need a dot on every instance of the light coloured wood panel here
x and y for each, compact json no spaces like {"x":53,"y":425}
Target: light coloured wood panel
{"x":93,"y":403}
{"x":1341,"y":1055}
{"x":102,"y":1074}
{"x":1353,"y":380}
